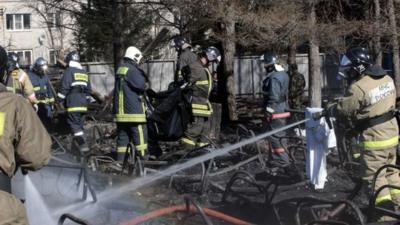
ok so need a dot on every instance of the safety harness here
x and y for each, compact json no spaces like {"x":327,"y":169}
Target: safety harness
{"x":370,"y":122}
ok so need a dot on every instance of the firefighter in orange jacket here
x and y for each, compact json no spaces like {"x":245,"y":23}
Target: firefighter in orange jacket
{"x":24,"y":142}
{"x":17,"y":81}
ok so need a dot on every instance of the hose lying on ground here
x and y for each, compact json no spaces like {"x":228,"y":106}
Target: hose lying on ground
{"x":180,"y":208}
{"x":73,"y":218}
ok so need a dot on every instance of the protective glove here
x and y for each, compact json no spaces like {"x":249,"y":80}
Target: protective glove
{"x":151,"y":93}
{"x":268,"y":114}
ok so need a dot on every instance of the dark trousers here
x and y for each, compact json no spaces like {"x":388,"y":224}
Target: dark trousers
{"x":195,"y":133}
{"x":45,"y":114}
{"x":279,"y":155}
{"x":136,"y":133}
{"x":76,"y":121}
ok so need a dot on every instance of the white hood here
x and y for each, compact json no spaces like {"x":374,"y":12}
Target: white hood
{"x":279,"y":68}
{"x":75,"y":64}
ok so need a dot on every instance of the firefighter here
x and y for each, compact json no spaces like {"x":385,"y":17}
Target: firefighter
{"x":296,"y":87}
{"x":368,"y":105}
{"x":179,"y":43}
{"x":275,"y":92}
{"x":198,"y":84}
{"x":129,"y":104}
{"x":19,"y":147}
{"x":75,"y":91}
{"x":41,"y":86}
{"x":17,"y":81}
{"x":210,"y":58}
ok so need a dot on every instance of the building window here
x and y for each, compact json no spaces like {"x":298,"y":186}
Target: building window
{"x":53,"y":54}
{"x":54,"y":19}
{"x":18,"y":21}
{"x":25,"y":57}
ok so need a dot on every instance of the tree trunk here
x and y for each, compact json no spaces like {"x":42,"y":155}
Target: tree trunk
{"x":395,"y":45}
{"x":314,"y":89}
{"x":377,"y":36}
{"x":117,"y":33}
{"x":229,"y":52}
{"x":292,"y":52}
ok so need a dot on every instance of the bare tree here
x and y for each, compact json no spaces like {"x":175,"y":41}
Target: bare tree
{"x":229,"y":53}
{"x":314,"y":62}
{"x":377,"y":37}
{"x":53,"y":19}
{"x":395,"y":44}
{"x":192,"y":18}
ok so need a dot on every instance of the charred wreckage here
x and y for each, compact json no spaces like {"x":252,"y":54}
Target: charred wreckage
{"x":229,"y":179}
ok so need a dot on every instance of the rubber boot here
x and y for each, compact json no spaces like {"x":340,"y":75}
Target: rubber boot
{"x":82,"y":145}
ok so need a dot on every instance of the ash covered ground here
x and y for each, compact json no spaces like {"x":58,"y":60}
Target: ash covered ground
{"x":241,"y":184}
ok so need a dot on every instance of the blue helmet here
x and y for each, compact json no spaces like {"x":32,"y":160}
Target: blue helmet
{"x":213,"y":54}
{"x":178,"y":42}
{"x":72,"y":56}
{"x":269,"y":59}
{"x":40,"y":66}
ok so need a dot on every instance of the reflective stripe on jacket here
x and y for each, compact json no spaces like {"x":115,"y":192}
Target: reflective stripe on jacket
{"x":203,"y":108}
{"x":75,"y":89}
{"x":41,"y":86}
{"x":200,"y":80}
{"x":369,"y":98}
{"x":130,"y":83}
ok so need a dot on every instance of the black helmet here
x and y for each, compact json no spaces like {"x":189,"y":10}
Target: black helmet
{"x":179,"y":42}
{"x":72,"y":56}
{"x":40,"y":66}
{"x":213,"y":54}
{"x":269,"y":59}
{"x":3,"y":62}
{"x":357,"y":59}
{"x":12,"y":61}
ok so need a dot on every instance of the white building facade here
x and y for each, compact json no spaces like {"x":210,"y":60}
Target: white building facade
{"x":35,"y":29}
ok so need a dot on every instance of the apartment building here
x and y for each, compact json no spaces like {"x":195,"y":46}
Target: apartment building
{"x":33,"y":29}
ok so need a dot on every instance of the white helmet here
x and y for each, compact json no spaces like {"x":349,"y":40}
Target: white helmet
{"x":133,"y":53}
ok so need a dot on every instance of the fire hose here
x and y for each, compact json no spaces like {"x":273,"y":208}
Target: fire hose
{"x":184,"y":208}
{"x":73,"y":218}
